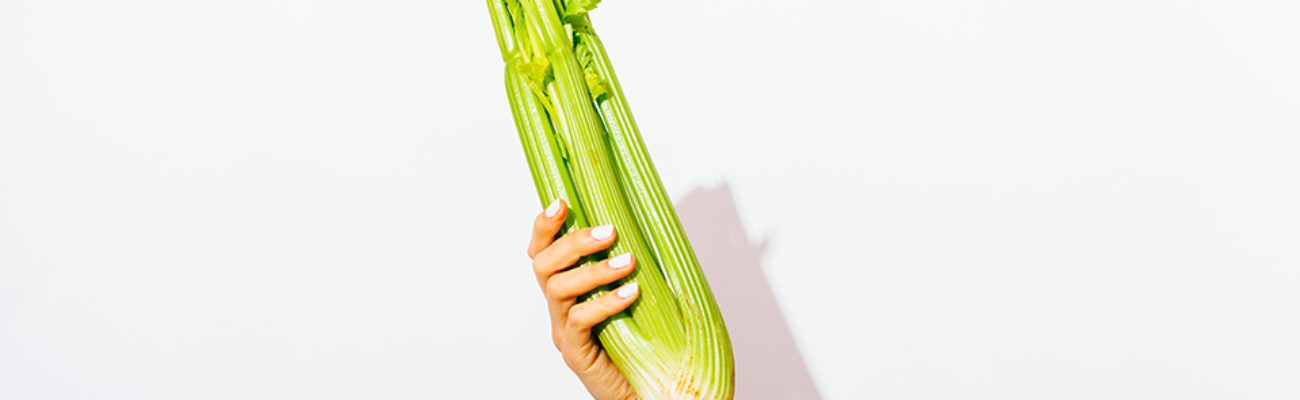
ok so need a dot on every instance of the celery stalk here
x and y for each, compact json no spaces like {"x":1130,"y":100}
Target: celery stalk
{"x":582,"y":145}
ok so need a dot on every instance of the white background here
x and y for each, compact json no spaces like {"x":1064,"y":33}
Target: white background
{"x":984,"y":199}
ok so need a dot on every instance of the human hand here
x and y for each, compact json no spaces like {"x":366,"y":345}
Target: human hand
{"x":571,"y":321}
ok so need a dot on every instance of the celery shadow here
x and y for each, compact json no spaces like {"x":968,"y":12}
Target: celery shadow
{"x":769,"y":365}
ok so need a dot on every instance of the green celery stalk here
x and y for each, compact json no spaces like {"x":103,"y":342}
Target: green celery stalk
{"x":583,"y":146}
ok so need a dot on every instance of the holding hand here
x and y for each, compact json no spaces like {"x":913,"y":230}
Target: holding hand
{"x":571,"y":321}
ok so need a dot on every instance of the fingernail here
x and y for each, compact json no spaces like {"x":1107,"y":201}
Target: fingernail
{"x":553,"y":209}
{"x":602,"y":232}
{"x":628,"y":290}
{"x":621,"y":261}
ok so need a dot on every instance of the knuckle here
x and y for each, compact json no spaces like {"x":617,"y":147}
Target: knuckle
{"x":553,"y":288}
{"x":563,"y":244}
{"x":577,"y":317}
{"x":540,"y":228}
{"x":613,"y":304}
{"x":537,"y":266}
{"x":608,"y":304}
{"x":599,"y":272}
{"x":572,"y":251}
{"x":588,"y":245}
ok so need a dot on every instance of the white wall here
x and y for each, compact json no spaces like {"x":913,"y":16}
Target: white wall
{"x":960,"y":199}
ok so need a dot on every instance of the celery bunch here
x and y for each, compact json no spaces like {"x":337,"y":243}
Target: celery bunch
{"x":583,"y":146}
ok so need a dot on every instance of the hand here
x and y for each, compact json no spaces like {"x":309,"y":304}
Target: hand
{"x":571,"y":321}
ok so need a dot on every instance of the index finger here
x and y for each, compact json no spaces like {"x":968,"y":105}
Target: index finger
{"x":546,"y":225}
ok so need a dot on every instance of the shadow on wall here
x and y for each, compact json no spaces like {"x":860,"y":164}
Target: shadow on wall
{"x":768,"y":363}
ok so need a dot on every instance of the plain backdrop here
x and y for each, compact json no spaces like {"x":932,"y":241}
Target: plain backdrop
{"x":989,"y":199}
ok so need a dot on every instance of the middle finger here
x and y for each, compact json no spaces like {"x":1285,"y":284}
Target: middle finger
{"x":570,"y":284}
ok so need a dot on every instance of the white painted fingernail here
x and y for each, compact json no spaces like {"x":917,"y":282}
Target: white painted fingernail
{"x":628,"y":290}
{"x":553,"y":209}
{"x":621,"y":261}
{"x":602,"y":232}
